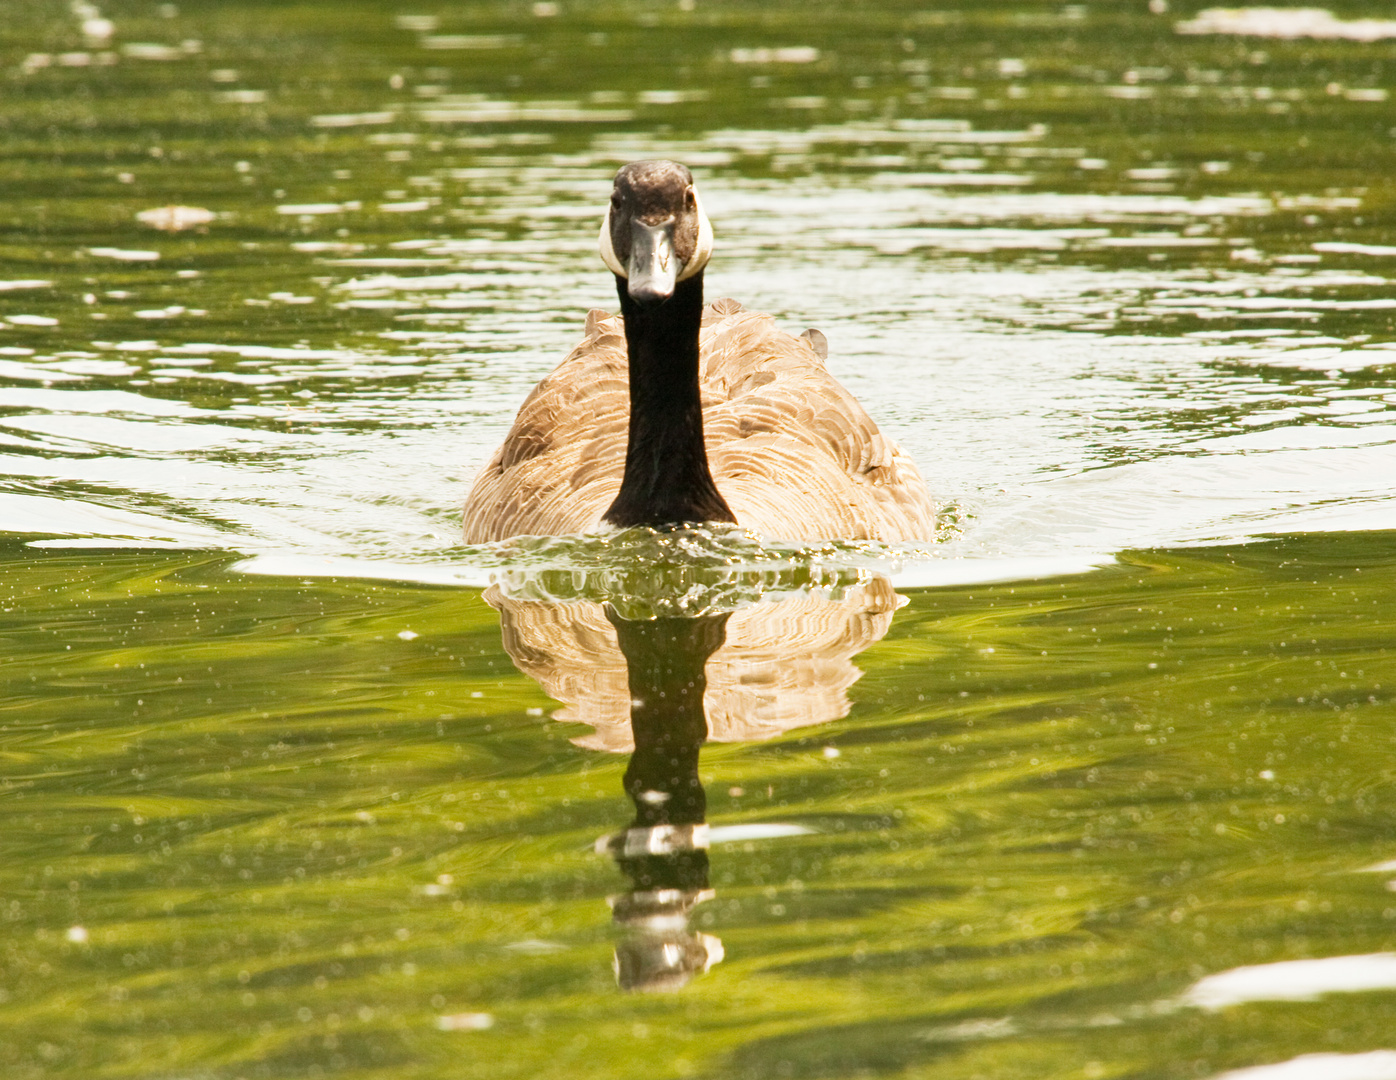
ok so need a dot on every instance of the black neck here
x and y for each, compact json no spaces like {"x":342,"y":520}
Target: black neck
{"x":667,"y":480}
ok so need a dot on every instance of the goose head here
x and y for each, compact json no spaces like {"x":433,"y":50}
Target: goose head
{"x":655,"y":233}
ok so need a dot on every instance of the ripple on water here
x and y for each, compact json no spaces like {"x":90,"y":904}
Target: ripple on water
{"x":370,"y":840}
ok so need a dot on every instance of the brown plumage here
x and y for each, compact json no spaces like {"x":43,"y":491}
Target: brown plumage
{"x":791,"y":451}
{"x":783,"y":664}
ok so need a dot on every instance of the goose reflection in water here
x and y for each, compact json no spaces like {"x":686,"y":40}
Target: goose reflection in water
{"x":659,"y":687}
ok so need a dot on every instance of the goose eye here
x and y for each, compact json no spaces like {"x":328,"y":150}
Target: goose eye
{"x":615,"y":200}
{"x":690,"y":199}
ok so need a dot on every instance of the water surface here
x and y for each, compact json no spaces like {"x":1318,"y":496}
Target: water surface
{"x":289,"y":795}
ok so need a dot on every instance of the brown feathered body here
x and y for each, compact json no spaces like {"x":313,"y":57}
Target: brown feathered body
{"x":792,"y":452}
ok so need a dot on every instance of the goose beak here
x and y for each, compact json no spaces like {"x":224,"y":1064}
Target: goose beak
{"x":653,"y":268}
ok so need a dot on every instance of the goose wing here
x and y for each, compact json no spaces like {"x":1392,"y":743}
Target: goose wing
{"x":791,"y":450}
{"x":559,"y":468}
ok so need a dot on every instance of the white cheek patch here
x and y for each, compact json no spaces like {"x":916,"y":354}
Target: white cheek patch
{"x":704,"y":250}
{"x":608,"y":249}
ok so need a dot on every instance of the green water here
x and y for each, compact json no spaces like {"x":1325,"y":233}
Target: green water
{"x":287,"y":793}
{"x":1047,"y":819}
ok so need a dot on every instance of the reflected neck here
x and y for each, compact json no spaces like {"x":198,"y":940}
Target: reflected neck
{"x":666,"y":660}
{"x":667,"y":480}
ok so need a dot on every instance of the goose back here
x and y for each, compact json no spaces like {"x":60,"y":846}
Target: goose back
{"x":790,"y":449}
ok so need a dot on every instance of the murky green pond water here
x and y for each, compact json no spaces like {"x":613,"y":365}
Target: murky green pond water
{"x":295,"y":785}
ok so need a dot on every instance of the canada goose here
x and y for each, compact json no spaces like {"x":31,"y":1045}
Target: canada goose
{"x":675,"y":413}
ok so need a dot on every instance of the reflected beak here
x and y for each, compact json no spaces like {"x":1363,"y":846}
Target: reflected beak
{"x":653,"y":267}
